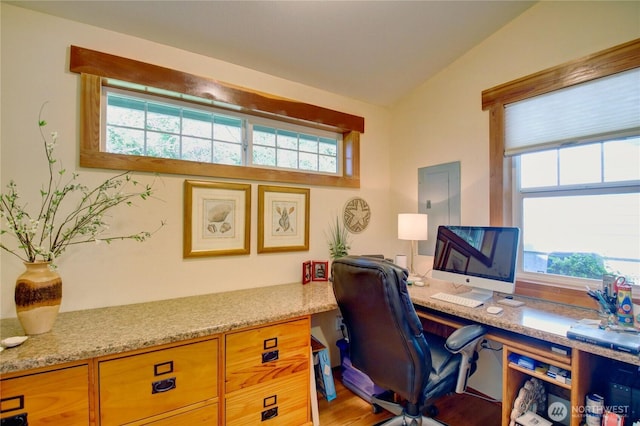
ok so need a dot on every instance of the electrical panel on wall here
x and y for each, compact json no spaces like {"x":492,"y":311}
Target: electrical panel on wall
{"x":439,"y":197}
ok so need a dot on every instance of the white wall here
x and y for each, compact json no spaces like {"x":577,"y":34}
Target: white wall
{"x":442,"y":121}
{"x":34,"y":69}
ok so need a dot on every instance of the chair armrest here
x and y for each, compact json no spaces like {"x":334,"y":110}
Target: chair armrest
{"x":465,"y":341}
{"x":464,"y":336}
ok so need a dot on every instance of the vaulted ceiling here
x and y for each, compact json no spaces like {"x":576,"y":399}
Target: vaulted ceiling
{"x":374,"y":51}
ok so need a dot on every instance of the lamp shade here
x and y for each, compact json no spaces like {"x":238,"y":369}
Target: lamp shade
{"x":413,"y":226}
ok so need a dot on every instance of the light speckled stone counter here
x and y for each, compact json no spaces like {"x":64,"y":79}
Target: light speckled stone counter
{"x":91,"y":333}
{"x":538,"y":319}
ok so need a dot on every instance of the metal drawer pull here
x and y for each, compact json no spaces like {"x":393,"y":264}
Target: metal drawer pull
{"x":269,"y":414}
{"x":17,"y":420}
{"x":163,"y":385}
{"x":270,"y":356}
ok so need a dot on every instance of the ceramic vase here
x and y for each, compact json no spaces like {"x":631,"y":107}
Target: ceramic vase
{"x":38,"y":295}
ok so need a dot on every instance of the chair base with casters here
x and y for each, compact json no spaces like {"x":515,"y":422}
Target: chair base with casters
{"x":387,"y":342}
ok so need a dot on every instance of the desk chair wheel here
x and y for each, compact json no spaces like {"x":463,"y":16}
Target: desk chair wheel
{"x":430,"y":411}
{"x":385,"y":396}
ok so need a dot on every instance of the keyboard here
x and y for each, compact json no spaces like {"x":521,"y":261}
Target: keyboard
{"x":458,"y":300}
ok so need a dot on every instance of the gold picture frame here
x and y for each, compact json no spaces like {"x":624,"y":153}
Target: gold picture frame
{"x":217,"y":218}
{"x":283,"y":219}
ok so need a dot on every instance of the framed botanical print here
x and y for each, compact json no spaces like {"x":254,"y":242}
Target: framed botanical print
{"x":283,"y":219}
{"x":217,"y":218}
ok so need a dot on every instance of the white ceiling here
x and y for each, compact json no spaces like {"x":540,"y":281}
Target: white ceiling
{"x":375,"y":51}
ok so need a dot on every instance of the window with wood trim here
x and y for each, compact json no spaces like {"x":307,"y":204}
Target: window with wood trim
{"x":593,"y":180}
{"x":143,"y":117}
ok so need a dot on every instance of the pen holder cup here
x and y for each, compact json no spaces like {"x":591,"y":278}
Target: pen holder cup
{"x":625,"y":306}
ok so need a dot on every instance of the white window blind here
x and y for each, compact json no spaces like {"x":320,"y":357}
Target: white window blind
{"x":587,"y":112}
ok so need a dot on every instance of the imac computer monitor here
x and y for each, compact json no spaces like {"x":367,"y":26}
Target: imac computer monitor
{"x":480,"y":257}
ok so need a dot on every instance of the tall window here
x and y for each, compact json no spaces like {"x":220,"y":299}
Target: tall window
{"x":579,"y":210}
{"x":565,"y":168}
{"x":578,"y":201}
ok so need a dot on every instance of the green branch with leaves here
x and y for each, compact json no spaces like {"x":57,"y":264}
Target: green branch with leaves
{"x":338,"y":240}
{"x":45,"y":236}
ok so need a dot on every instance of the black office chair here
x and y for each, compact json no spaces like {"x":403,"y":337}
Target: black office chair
{"x":386,"y":341}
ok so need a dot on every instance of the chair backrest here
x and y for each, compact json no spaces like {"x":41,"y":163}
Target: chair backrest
{"x":386,"y":341}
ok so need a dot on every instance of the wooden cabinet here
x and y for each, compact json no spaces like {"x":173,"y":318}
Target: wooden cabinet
{"x":46,"y":397}
{"x":266,"y":381}
{"x":161,"y":383}
{"x":205,"y":415}
{"x":279,"y":401}
{"x":267,"y":374}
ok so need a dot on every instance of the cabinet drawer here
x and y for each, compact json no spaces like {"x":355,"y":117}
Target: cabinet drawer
{"x":261,"y":354}
{"x":52,"y":397}
{"x":207,"y":415}
{"x":279,"y":402}
{"x":141,"y":385}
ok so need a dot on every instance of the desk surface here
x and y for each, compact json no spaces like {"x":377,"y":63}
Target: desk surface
{"x":91,"y":333}
{"x":538,"y":319}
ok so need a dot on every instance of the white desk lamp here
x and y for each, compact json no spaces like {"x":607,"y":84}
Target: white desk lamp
{"x":413,"y":227}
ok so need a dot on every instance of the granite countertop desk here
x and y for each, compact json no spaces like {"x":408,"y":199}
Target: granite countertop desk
{"x":90,"y":333}
{"x":539,"y":319}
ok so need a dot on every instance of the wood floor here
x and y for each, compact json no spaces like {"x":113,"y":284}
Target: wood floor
{"x":348,"y":409}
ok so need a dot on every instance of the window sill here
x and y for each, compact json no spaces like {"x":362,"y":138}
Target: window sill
{"x":551,"y":293}
{"x":89,"y":158}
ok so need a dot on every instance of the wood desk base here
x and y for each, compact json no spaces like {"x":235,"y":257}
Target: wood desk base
{"x":580,"y":364}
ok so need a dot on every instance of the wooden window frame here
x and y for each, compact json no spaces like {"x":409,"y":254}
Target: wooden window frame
{"x":94,"y":67}
{"x":617,"y":59}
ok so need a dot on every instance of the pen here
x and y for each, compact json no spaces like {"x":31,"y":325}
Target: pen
{"x":597,"y":296}
{"x":619,"y":329}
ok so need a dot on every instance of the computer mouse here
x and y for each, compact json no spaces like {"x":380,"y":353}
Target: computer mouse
{"x":495,"y":310}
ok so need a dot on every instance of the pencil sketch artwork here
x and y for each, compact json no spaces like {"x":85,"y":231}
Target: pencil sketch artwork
{"x":218,"y":218}
{"x":284,"y":218}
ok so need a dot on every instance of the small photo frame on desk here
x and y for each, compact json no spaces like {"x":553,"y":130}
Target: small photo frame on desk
{"x":320,"y":270}
{"x":306,"y":272}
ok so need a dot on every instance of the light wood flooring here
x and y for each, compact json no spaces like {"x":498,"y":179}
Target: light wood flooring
{"x":348,"y":409}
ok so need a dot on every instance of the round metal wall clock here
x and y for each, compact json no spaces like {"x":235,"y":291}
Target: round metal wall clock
{"x":356,"y":215}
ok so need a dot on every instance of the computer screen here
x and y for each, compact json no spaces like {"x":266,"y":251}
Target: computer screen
{"x":481,"y":257}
